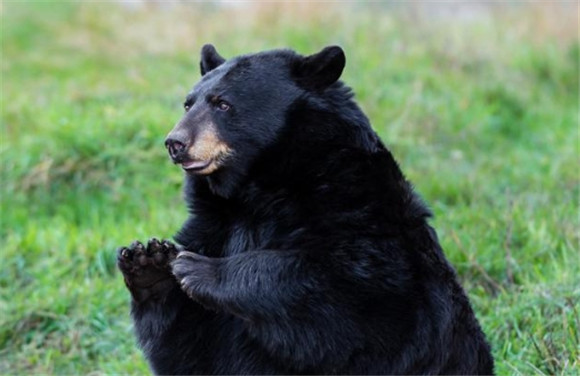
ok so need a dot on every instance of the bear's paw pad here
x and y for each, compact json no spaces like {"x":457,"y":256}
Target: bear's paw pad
{"x":143,"y":266}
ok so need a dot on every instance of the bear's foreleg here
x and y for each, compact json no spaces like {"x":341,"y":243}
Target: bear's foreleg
{"x":284,"y":300}
{"x":163,"y":315}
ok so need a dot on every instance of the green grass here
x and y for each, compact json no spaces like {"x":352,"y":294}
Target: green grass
{"x":482,"y":114}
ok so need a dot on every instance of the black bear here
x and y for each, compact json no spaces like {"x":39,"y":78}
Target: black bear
{"x":306,"y":250}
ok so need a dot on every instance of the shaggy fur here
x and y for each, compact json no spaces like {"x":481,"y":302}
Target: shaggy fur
{"x":306,"y":251}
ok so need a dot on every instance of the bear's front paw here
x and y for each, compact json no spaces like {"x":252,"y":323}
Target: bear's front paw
{"x":197,"y":274}
{"x":146,"y":269}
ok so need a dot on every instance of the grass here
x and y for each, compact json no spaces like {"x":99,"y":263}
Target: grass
{"x":479,"y":104}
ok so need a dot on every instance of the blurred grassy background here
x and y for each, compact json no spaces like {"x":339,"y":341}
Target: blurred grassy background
{"x":478,"y":102}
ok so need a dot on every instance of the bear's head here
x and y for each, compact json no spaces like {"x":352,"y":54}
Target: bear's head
{"x":240,"y":105}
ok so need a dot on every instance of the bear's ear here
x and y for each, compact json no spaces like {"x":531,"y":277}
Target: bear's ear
{"x":210,"y":59}
{"x":320,"y":70}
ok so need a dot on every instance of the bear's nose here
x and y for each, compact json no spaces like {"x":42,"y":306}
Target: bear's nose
{"x":175,"y":147}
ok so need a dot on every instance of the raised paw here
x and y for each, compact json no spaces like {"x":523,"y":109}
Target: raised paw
{"x":146,"y":269}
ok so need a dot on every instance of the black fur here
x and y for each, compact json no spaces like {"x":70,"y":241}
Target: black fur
{"x":307,"y":252}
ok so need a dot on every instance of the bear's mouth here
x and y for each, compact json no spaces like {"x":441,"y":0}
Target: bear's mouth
{"x":196,"y":166}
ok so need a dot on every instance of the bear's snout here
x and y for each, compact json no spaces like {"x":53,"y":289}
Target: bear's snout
{"x":176,"y":149}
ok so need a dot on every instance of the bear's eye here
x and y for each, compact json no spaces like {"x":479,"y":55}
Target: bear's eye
{"x":186,"y":106}
{"x":223,"y":106}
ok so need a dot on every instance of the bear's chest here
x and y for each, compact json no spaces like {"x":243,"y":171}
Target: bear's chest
{"x":242,"y":236}
{"x":270,"y":222}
